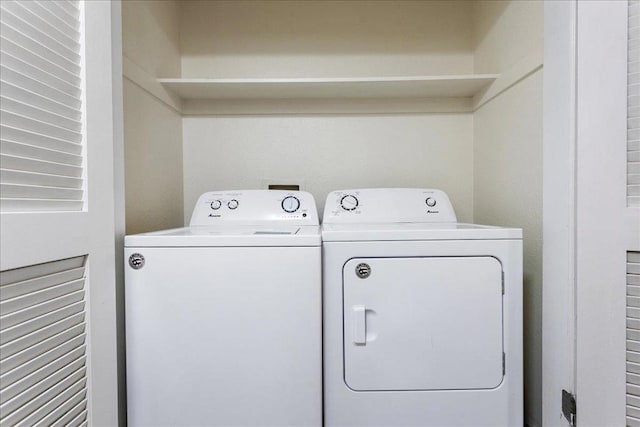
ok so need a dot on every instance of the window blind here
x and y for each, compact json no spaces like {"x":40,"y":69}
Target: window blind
{"x":41,"y":106}
{"x":633,"y":106}
{"x":43,"y":373}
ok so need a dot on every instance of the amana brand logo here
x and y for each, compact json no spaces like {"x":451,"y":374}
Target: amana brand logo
{"x":363,"y":270}
{"x":136,"y":261}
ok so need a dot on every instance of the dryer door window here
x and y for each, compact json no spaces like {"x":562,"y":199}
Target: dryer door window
{"x":424,"y":323}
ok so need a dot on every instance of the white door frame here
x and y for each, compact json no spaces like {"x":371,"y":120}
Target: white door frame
{"x":558,"y":291}
{"x":587,"y":226}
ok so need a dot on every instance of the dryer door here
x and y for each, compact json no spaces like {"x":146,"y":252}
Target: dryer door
{"x":424,"y":323}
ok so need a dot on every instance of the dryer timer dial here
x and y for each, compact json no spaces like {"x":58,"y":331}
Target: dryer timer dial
{"x":349,"y":202}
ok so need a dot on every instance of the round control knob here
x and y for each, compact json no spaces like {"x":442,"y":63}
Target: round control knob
{"x":349,"y":202}
{"x":216,"y":204}
{"x":290,"y":204}
{"x":430,"y":201}
{"x":233,"y":203}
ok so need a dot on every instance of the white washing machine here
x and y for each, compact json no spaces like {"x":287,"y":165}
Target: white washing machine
{"x":422,"y":315}
{"x":224,"y":317}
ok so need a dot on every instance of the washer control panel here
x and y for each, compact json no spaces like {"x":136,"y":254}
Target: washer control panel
{"x":255,"y":207}
{"x":388,"y":205}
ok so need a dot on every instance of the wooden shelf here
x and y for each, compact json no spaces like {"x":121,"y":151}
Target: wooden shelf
{"x":451,"y":86}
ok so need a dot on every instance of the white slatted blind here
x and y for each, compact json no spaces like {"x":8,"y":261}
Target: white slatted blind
{"x":633,"y":105}
{"x":43,"y":374}
{"x":633,"y":339}
{"x":41,"y":111}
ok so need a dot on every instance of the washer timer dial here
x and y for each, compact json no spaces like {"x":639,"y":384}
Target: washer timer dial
{"x":349,"y":202}
{"x":290,"y":204}
{"x":233,"y":204}
{"x":216,"y":204}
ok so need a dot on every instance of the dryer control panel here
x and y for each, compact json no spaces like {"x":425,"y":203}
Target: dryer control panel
{"x":388,"y":205}
{"x":255,"y":207}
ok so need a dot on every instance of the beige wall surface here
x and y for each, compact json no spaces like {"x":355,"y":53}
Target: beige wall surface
{"x":508,"y":192}
{"x":151,"y":35}
{"x":152,"y":130}
{"x":508,"y":156}
{"x":236,"y":39}
{"x":327,"y":153}
{"x":504,"y":32}
{"x":153,"y":162}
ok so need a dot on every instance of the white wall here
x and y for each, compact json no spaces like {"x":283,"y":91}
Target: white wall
{"x":326,"y":153}
{"x":151,"y":35}
{"x":508,"y":159}
{"x":325,"y":38}
{"x":505,"y":32}
{"x":152,"y":129}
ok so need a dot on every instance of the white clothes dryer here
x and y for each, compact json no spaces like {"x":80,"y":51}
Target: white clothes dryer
{"x":223,"y":318}
{"x":422,"y":314}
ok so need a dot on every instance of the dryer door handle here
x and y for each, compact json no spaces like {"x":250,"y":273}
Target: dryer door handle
{"x":359,"y":324}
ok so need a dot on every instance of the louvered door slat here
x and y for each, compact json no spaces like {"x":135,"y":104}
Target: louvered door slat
{"x":70,"y":19}
{"x":15,"y":120}
{"x":32,"y":284}
{"x":16,"y":177}
{"x":633,"y":422}
{"x":79,"y":421}
{"x":633,"y":379}
{"x":37,"y":28}
{"x":18,"y":303}
{"x":33,"y":404}
{"x":77,"y":388}
{"x":41,"y":74}
{"x":22,"y":383}
{"x":633,"y":106}
{"x":40,"y":166}
{"x":63,"y":22}
{"x":33,"y":152}
{"x":633,"y":340}
{"x":39,"y":140}
{"x":33,"y":41}
{"x":65,"y":408}
{"x":40,"y":62}
{"x":35,"y":205}
{"x":69,"y":7}
{"x":67,"y":351}
{"x":32,"y":325}
{"x":19,"y":191}
{"x":11,"y":404}
{"x":79,"y":410}
{"x":27,"y":109}
{"x":72,"y":326}
{"x":32,"y":312}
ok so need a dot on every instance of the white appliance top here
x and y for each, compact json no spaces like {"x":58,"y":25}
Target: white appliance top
{"x":404,"y":214}
{"x":387,"y":205}
{"x":242,"y":218}
{"x":255,"y":207}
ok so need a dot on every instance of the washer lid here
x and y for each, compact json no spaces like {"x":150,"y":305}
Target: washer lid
{"x":247,"y":236}
{"x":415,"y":231}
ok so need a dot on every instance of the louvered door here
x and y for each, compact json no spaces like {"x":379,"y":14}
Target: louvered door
{"x":57,"y":284}
{"x":607,"y":215}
